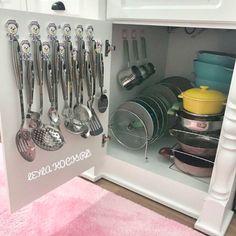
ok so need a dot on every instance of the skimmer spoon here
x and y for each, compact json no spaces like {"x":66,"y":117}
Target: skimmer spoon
{"x":46,"y":137}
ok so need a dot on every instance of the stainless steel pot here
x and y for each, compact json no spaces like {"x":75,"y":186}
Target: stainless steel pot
{"x":196,"y":144}
{"x":200,"y":123}
{"x":130,"y":76}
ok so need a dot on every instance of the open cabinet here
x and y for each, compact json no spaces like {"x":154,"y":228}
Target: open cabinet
{"x":172,"y":51}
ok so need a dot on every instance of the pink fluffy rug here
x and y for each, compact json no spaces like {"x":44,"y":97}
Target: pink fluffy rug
{"x":80,"y":208}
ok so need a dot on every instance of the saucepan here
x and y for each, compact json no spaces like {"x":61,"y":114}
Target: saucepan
{"x":203,"y":101}
{"x":197,"y":144}
{"x":200,"y":123}
{"x":130,"y":76}
{"x":188,"y":163}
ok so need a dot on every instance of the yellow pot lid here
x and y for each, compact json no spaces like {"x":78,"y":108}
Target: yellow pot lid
{"x":203,"y":94}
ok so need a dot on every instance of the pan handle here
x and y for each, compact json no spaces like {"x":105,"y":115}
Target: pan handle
{"x":167,"y":153}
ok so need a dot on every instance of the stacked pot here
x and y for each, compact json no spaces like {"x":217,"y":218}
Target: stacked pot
{"x":200,"y":121}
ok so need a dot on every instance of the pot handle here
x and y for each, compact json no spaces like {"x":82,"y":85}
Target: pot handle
{"x":167,"y":153}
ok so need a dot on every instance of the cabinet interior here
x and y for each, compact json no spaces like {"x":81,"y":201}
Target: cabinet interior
{"x":172,"y":50}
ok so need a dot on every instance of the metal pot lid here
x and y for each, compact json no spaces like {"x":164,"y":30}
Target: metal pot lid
{"x":152,"y":112}
{"x":160,"y":114}
{"x":159,"y":89}
{"x":142,"y":113}
{"x":204,"y":94}
{"x":179,"y":82}
{"x":128,"y":129}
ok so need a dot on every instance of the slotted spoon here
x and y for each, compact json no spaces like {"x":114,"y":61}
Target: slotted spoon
{"x":23,"y":138}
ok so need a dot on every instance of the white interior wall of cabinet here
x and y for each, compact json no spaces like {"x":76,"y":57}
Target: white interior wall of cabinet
{"x":157,"y":43}
{"x":182,"y":48}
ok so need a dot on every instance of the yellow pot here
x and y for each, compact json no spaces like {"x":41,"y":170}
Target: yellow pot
{"x":203,"y":101}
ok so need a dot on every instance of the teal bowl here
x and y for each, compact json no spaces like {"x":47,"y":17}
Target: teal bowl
{"x":217,"y":58}
{"x":212,"y":72}
{"x":220,"y":86}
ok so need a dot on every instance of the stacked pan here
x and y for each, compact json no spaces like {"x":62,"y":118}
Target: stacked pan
{"x":197,"y":132}
{"x":144,"y":119}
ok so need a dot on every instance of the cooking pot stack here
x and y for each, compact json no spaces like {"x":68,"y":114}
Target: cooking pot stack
{"x":197,"y":132}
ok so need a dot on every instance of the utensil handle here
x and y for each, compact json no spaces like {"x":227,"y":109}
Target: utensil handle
{"x":101,"y":81}
{"x":31,"y":81}
{"x":75,"y":79}
{"x":135,"y":51}
{"x":88,"y":80}
{"x":62,"y":78}
{"x":126,"y":51}
{"x":92,"y":56}
{"x":68,"y":59}
{"x":22,"y":108}
{"x":48,"y":79}
{"x":16,"y":62}
{"x":143,"y":47}
{"x":81,"y":57}
{"x":37,"y":60}
{"x":27,"y":80}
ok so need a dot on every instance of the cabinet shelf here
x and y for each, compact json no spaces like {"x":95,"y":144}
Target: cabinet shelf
{"x":156,"y":163}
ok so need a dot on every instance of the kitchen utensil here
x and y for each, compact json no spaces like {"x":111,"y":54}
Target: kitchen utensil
{"x":217,"y":58}
{"x":81,"y":65}
{"x":143,"y":71}
{"x":28,"y":78}
{"x":188,"y":163}
{"x":47,"y":70}
{"x":92,"y":51}
{"x":208,"y":71}
{"x":103,"y":100}
{"x":130,"y":76}
{"x":81,"y":112}
{"x":149,"y":67}
{"x":44,"y":136}
{"x":213,"y":84}
{"x":86,"y":132}
{"x":200,"y":123}
{"x":203,"y":100}
{"x":66,"y":111}
{"x":94,"y":123}
{"x":73,"y":125}
{"x":128,"y":129}
{"x":37,"y":54}
{"x":196,"y":144}
{"x":54,"y":44}
{"x":24,"y":142}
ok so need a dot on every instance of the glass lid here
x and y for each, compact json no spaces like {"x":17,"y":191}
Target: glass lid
{"x":128,"y":129}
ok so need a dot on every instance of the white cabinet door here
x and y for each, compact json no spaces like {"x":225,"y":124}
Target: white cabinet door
{"x":173,"y":10}
{"x":93,"y":9}
{"x":13,"y":4}
{"x":30,"y":180}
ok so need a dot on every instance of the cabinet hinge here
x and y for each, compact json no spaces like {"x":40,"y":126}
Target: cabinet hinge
{"x":109,"y":48}
{"x":105,"y":139}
